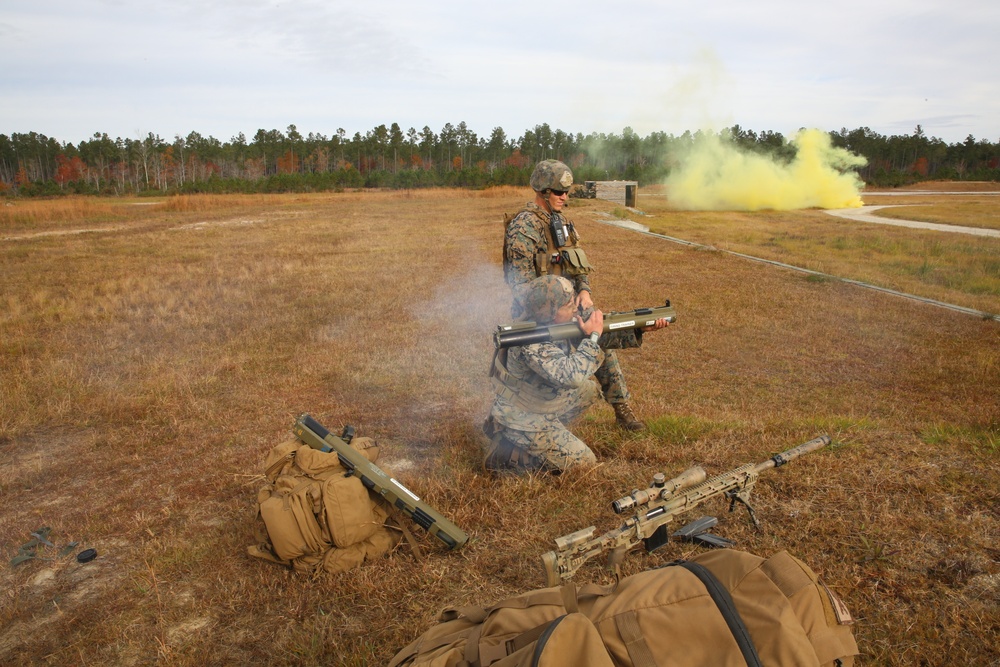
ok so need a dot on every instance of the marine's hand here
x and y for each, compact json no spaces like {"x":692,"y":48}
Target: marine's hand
{"x":660,"y":323}
{"x":593,"y":323}
{"x":584,"y":301}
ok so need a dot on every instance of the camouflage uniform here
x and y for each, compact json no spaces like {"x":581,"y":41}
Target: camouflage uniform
{"x":543,"y":387}
{"x":526,"y":239}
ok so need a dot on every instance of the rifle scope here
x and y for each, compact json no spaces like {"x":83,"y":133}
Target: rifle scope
{"x":660,"y":489}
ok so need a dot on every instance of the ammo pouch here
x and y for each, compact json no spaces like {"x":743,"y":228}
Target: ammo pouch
{"x":570,"y":258}
{"x":574,"y":262}
{"x":569,"y":262}
{"x":314,"y":516}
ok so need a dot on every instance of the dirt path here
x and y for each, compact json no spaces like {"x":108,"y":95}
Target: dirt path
{"x":864,"y":214}
{"x":63,"y":232}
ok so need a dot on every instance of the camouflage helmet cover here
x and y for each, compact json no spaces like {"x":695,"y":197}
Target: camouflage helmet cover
{"x":545,"y":296}
{"x":551,"y":175}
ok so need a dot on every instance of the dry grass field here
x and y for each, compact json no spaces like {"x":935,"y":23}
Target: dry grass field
{"x":149,"y":364}
{"x":954,"y":268}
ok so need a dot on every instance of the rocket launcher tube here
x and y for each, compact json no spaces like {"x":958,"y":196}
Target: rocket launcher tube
{"x":528,"y":333}
{"x":375,"y":479}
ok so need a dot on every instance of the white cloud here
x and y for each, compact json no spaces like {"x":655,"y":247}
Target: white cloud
{"x":221,"y":67}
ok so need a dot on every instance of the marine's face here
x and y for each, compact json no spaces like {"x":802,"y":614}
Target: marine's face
{"x":557,"y":199}
{"x":565,"y":313}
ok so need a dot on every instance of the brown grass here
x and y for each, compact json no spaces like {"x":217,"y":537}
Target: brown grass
{"x":146,"y":371}
{"x":942,"y":186}
{"x":954,"y":268}
{"x":36,"y":214}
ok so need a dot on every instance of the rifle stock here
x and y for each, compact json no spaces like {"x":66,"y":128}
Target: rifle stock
{"x":658,"y":506}
{"x":375,"y":479}
{"x":527,"y":333}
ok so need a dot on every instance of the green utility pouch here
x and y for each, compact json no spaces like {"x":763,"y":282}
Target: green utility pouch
{"x":574,"y":261}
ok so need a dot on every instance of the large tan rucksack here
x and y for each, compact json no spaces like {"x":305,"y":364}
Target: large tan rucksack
{"x":313,"y":516}
{"x":722,"y":608}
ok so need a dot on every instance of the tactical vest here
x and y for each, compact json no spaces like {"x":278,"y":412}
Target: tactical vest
{"x":566,"y":259}
{"x":531,"y":395}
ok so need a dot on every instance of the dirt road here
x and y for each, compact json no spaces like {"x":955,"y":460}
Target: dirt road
{"x":864,"y":214}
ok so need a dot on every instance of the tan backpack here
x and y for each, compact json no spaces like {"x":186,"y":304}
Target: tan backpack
{"x":722,"y":608}
{"x":313,"y":516}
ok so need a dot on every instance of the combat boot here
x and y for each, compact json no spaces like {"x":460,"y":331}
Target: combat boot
{"x":505,"y":457}
{"x":501,"y":457}
{"x":626,"y":418}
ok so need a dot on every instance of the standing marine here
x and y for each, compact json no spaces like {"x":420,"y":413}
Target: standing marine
{"x":540,"y":241}
{"x":542,"y":387}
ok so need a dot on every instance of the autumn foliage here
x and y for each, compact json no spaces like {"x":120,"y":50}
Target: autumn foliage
{"x":289,"y":163}
{"x":69,"y":169}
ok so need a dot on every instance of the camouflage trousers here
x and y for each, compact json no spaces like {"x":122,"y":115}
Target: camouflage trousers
{"x":612,"y":380}
{"x":551,"y":449}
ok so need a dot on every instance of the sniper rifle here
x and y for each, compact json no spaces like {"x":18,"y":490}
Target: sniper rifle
{"x":527,"y":333}
{"x":656,"y":507}
{"x":375,"y":479}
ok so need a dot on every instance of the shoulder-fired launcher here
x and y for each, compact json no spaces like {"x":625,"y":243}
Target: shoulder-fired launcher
{"x":375,"y":479}
{"x":527,"y":333}
{"x":656,"y":507}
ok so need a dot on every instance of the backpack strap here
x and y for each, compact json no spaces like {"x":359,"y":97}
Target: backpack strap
{"x":398,"y":520}
{"x":724,"y":601}
{"x":490,"y":654}
{"x":635,"y":643}
{"x":569,"y":596}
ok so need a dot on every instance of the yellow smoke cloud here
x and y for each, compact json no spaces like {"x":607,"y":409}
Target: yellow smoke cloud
{"x":716,"y":175}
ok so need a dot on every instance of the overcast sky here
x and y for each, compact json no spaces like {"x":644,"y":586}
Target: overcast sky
{"x":71,"y":68}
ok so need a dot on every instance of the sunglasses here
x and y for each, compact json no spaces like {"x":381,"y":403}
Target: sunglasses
{"x":558,"y":193}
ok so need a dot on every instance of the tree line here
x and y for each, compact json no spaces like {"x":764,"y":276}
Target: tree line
{"x":32,"y":164}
